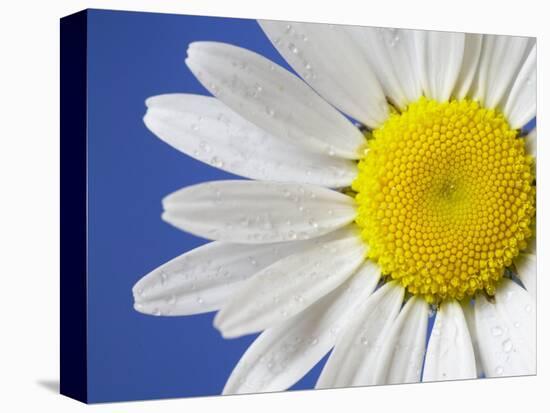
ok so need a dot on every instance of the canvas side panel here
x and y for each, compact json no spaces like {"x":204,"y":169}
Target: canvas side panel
{"x":74,"y":206}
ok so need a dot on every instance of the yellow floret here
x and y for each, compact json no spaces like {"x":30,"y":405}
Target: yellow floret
{"x":446,"y":198}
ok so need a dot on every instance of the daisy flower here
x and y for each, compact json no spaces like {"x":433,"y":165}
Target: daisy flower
{"x":350,"y":234}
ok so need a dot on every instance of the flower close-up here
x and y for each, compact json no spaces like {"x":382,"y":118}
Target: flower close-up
{"x":391,"y":180}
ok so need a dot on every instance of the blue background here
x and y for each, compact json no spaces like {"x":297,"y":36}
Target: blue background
{"x":132,"y":356}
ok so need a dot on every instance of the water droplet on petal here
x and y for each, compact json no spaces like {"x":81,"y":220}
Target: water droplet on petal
{"x":499,"y":370}
{"x":298,"y":298}
{"x":215,"y":161}
{"x":313,"y":223}
{"x":507,"y":345}
{"x":292,"y":47}
{"x":496,"y":331}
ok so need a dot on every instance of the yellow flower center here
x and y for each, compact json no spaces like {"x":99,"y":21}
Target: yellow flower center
{"x":445,"y":196}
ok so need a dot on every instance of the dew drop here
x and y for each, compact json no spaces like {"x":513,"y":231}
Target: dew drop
{"x":292,"y":47}
{"x":364,"y":341}
{"x":292,"y":235}
{"x":499,"y":370}
{"x":270,"y":111}
{"x":215,"y":161}
{"x":507,"y":345}
{"x":528,"y":308}
{"x":200,"y":300}
{"x":496,"y":331}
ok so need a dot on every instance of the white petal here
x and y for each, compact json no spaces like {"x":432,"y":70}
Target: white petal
{"x":506,"y":331}
{"x":282,"y":355}
{"x":526,"y":266}
{"x":257,"y":212}
{"x":440,"y":59}
{"x":403,"y":349}
{"x":450,"y":354}
{"x":206,"y":129}
{"x":331,"y":61}
{"x":391,"y":53}
{"x":289,"y":286}
{"x":273,"y":99}
{"x":470,"y":316}
{"x":531,"y":143}
{"x":205,"y":278}
{"x":357,"y":350}
{"x":501,"y":57}
{"x":470,"y":61}
{"x":521,"y":103}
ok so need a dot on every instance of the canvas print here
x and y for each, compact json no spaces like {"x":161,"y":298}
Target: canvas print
{"x":283,"y":205}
